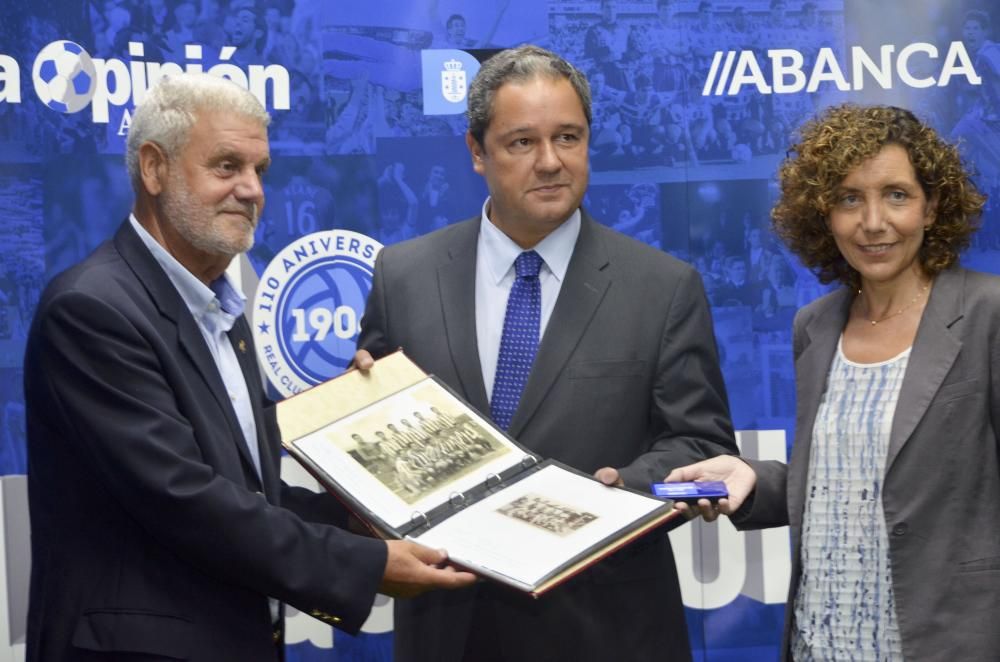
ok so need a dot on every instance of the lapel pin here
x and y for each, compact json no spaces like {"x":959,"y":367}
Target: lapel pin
{"x":243,"y":346}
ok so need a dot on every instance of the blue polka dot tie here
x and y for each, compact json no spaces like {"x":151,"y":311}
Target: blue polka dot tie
{"x":519,"y":341}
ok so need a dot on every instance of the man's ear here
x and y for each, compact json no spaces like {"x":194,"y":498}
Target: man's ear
{"x":152,"y":167}
{"x":477,"y":152}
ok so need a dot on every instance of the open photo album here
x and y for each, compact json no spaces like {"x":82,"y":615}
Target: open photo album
{"x":413,"y":461}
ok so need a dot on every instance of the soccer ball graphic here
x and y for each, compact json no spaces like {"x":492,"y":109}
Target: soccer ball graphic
{"x":64,"y":76}
{"x":335,"y":284}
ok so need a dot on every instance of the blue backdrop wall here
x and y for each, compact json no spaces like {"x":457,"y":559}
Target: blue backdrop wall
{"x":694,"y":106}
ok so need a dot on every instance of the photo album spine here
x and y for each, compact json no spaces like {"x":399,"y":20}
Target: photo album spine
{"x":458,"y":501}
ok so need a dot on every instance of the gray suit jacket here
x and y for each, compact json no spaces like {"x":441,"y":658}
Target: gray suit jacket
{"x":626,"y":376}
{"x":941,"y":494}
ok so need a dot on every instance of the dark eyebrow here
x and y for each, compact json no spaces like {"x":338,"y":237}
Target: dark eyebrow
{"x":516,"y":130}
{"x":901,"y":184}
{"x":896,"y":183}
{"x":569,"y":126}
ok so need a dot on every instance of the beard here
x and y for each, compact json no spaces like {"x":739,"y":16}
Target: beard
{"x":197,"y":223}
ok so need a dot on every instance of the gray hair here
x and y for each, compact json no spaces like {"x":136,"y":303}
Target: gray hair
{"x":519,"y":64}
{"x":166,"y":115}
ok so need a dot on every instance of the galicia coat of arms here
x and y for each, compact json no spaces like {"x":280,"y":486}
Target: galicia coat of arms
{"x":453,"y":83}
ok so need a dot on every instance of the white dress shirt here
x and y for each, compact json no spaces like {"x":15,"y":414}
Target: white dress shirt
{"x":495,"y":255}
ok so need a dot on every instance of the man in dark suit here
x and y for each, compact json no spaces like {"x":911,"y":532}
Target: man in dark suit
{"x":624,"y":382}
{"x":160,"y":526}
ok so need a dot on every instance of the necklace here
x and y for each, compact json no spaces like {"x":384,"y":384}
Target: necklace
{"x":923,"y":290}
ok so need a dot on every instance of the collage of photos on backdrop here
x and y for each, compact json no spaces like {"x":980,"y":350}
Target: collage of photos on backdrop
{"x":677,"y":162}
{"x":687,"y":172}
{"x":359,"y":153}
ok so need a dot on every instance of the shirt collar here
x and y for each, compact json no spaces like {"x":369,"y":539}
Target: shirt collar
{"x":500,"y":251}
{"x":200,"y":299}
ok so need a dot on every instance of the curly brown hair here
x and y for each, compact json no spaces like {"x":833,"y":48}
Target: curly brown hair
{"x":837,"y":141}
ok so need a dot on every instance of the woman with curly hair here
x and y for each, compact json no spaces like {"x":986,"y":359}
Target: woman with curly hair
{"x":893,"y":489}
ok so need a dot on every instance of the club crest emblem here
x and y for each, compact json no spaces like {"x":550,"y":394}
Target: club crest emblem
{"x":453,"y":81}
{"x":308,"y":307}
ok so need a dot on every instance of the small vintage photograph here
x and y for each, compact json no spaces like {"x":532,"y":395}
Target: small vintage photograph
{"x":419,"y":441}
{"x":547,"y":514}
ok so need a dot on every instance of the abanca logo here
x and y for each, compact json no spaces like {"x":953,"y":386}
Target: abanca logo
{"x":788,"y":73}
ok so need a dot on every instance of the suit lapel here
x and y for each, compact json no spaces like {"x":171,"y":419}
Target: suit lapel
{"x":170,"y":304}
{"x":457,"y":285}
{"x":934,"y":352}
{"x":579,"y":297}
{"x":812,"y":368}
{"x":240,"y":338}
